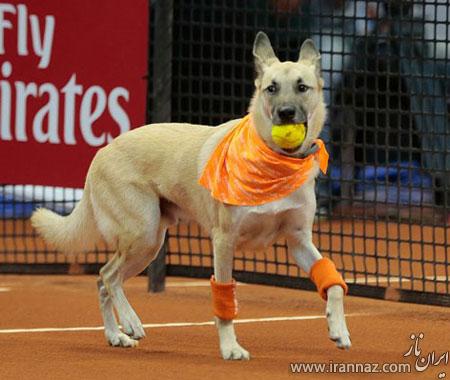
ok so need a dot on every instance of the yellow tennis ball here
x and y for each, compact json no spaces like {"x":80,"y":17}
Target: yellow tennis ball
{"x":288,"y":136}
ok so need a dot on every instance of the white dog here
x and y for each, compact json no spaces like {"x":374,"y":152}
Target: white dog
{"x":148,"y":179}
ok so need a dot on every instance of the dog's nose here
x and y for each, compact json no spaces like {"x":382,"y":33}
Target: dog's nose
{"x":286,"y":114}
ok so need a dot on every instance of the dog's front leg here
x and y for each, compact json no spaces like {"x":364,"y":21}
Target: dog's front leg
{"x":306,"y":255}
{"x":224,"y":298}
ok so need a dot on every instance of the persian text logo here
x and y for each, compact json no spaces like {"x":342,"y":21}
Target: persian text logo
{"x":423,"y":362}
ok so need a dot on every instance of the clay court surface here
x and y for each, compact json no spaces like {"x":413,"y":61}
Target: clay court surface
{"x":380,"y":333}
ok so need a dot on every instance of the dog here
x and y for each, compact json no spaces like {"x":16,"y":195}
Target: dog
{"x":148,"y":179}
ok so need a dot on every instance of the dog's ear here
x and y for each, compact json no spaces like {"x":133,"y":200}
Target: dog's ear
{"x":309,"y":52}
{"x":263,"y":53}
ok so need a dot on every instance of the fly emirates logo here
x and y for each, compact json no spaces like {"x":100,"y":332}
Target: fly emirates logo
{"x":61,"y":110}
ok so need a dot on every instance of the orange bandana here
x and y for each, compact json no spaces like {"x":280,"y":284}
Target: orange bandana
{"x":244,"y":171}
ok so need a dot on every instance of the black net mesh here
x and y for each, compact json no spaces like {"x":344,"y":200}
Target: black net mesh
{"x":382,"y":214}
{"x":383,"y":207}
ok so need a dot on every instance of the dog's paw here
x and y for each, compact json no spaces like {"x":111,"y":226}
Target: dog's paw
{"x":133,"y":328}
{"x":337,"y":326}
{"x":120,"y":340}
{"x":234,"y":352}
{"x":337,"y":330}
{"x":341,"y":337}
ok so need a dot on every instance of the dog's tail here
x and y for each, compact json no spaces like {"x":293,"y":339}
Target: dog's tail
{"x":70,"y":234}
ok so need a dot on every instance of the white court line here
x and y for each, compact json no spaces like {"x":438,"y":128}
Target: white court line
{"x":357,"y":280}
{"x":374,"y":280}
{"x":437,"y":278}
{"x":189,"y":284}
{"x":173,"y":324}
{"x":4,"y":289}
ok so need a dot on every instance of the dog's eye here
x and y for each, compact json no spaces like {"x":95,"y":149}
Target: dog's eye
{"x":271,"y":89}
{"x":302,"y":88}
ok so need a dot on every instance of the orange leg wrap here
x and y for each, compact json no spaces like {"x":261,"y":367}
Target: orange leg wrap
{"x":324,"y":275}
{"x":224,"y":300}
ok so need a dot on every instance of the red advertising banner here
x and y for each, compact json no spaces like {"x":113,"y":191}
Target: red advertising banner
{"x":71,"y":79}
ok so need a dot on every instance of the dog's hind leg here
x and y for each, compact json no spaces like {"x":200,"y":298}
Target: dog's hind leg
{"x":113,"y":335}
{"x":132,"y":266}
{"x":136,"y":228}
{"x":223,"y":267}
{"x":121,"y":268}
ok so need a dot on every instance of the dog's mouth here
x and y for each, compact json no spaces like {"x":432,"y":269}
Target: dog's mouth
{"x":291,"y":150}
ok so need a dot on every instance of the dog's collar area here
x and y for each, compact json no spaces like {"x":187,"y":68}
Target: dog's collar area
{"x":312,"y":149}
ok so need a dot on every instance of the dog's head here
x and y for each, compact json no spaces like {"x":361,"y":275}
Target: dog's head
{"x":287,"y":93}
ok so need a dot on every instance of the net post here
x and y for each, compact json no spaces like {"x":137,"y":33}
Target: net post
{"x":160,"y":81}
{"x":156,"y":271}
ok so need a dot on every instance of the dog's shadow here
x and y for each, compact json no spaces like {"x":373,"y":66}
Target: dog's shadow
{"x":103,"y":350}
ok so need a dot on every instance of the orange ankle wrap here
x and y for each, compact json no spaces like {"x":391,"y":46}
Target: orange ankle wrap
{"x":224,"y":300}
{"x":324,"y":274}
